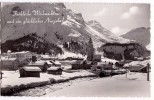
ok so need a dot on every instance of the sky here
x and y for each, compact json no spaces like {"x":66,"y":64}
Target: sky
{"x":118,"y":18}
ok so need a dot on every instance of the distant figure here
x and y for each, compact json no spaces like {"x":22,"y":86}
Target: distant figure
{"x":1,"y":74}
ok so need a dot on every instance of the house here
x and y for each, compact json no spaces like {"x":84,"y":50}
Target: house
{"x":78,"y":64}
{"x":55,"y":70}
{"x":24,"y":56}
{"x":30,"y":71}
{"x":10,"y":63}
{"x":41,"y":64}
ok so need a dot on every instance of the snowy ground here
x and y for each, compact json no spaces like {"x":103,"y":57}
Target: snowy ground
{"x":135,"y":85}
{"x":12,"y":78}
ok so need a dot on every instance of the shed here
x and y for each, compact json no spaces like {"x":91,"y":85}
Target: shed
{"x":41,"y":64}
{"x":78,"y":64}
{"x":55,"y":70}
{"x":30,"y":71}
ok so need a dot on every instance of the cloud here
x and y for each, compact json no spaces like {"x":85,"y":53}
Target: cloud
{"x":115,"y":30}
{"x":134,"y":10}
{"x":119,"y":31}
{"x":100,"y":13}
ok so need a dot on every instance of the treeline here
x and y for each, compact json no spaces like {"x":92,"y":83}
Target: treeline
{"x":33,"y":43}
{"x":127,"y":51}
{"x":75,"y":47}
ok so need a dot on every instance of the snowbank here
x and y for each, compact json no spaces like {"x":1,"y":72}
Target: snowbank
{"x":12,"y":82}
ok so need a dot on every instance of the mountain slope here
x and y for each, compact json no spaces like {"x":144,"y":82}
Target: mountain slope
{"x":106,"y":33}
{"x":141,"y":35}
{"x":70,"y":27}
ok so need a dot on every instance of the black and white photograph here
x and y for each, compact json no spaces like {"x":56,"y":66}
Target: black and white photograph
{"x":75,"y":49}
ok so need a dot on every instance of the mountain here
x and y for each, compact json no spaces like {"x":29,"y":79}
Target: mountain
{"x":69,"y":29}
{"x":141,"y":35}
{"x":106,"y":33}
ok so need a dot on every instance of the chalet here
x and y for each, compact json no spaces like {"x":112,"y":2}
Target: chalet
{"x":41,"y":64}
{"x":30,"y":71}
{"x":10,"y":63}
{"x":55,"y":70}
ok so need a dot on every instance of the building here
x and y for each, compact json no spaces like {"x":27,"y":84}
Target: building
{"x":24,"y":57}
{"x":30,"y":71}
{"x":10,"y":63}
{"x":41,"y":64}
{"x":90,"y":50}
{"x":87,"y":65}
{"x":55,"y":70}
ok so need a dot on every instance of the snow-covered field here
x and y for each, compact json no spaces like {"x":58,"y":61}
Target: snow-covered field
{"x":135,"y":85}
{"x":12,"y":78}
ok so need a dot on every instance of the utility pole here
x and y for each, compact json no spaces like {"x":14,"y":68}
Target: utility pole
{"x":148,"y":66}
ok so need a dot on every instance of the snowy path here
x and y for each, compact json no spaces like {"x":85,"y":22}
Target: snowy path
{"x":117,"y":86}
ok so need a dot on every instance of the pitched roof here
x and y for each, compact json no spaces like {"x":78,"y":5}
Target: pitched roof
{"x":26,"y":68}
{"x":48,"y":62}
{"x":55,"y":62}
{"x":78,"y":62}
{"x":137,"y":67}
{"x":9,"y":59}
{"x":37,"y":63}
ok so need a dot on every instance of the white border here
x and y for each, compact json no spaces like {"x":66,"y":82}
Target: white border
{"x":96,"y":1}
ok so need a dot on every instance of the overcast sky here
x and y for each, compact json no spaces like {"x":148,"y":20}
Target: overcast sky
{"x":118,"y":18}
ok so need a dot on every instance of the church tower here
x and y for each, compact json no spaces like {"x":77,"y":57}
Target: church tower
{"x":90,"y":50}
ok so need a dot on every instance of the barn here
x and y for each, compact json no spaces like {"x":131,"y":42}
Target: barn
{"x":43,"y":65}
{"x":30,"y":71}
{"x":55,"y":70}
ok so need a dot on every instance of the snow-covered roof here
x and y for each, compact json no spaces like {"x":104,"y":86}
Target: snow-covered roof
{"x":27,"y":68}
{"x":39,"y":63}
{"x":20,"y":52}
{"x":48,"y":62}
{"x":9,"y":59}
{"x":54,"y":68}
{"x":55,"y":62}
{"x":78,"y":62}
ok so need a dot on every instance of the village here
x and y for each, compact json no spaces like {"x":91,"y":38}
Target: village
{"x":29,"y":70}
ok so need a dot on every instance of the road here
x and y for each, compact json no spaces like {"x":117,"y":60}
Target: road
{"x":106,"y":87}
